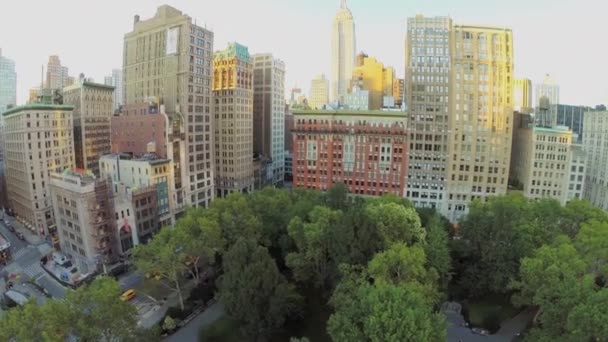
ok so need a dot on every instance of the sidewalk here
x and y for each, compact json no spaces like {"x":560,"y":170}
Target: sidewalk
{"x":31,"y":237}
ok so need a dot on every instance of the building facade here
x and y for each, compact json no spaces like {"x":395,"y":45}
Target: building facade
{"x":169,"y":57}
{"x":148,"y":170}
{"x":595,"y":144}
{"x":38,"y":140}
{"x":84,"y":211}
{"x":367,"y":151}
{"x":92,"y":104}
{"x":136,"y":214}
{"x":8,"y":83}
{"x":572,"y":117}
{"x":319,"y":92}
{"x":138,"y":128}
{"x":269,"y":114}
{"x":481,"y":116}
{"x":115,"y":80}
{"x":522,"y":95}
{"x":576,"y":175}
{"x":233,"y":96}
{"x":427,"y":92}
{"x":343,"y":50}
{"x":356,"y":99}
{"x":546,"y":100}
{"x":543,"y":161}
{"x":57,"y":75}
{"x":378,"y":80}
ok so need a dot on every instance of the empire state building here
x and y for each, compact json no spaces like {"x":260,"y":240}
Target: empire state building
{"x":342,"y":52}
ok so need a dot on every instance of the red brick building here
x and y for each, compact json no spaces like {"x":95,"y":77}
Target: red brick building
{"x":137,"y":126}
{"x":366,"y":150}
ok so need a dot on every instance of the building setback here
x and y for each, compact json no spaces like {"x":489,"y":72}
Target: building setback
{"x":595,"y":144}
{"x":38,"y":140}
{"x":269,"y":114}
{"x":233,"y":96}
{"x":91,"y":118}
{"x":84,"y":211}
{"x":364,"y":150}
{"x":168,"y":57}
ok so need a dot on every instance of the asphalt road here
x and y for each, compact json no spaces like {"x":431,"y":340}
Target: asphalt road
{"x":189,"y":333}
{"x":16,"y":244}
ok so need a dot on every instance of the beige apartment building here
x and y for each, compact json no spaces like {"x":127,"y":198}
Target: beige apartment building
{"x":459,"y":93}
{"x":319,"y":92}
{"x":38,"y":140}
{"x":522,"y":96}
{"x":233,"y":96}
{"x":84,"y":212}
{"x":595,"y":143}
{"x":543,"y":163}
{"x":93,"y":109}
{"x":481,"y":116}
{"x":169,"y":58}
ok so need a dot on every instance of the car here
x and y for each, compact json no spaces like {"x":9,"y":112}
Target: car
{"x":10,"y":228}
{"x":480,"y":331}
{"x":21,"y":236}
{"x":128,"y":295}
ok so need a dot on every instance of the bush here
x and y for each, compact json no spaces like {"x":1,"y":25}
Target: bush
{"x":169,"y":324}
{"x":176,"y":313}
{"x":203,"y":292}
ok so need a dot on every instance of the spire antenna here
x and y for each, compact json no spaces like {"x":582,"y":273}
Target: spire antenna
{"x":343,"y":4}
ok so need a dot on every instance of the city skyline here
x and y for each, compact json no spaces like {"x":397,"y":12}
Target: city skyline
{"x":538,"y":49}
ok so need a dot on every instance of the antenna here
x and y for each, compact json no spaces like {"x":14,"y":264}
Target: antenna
{"x":42,"y":78}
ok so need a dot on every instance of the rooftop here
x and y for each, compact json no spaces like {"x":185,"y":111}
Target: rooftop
{"x":151,"y":158}
{"x":557,"y":129}
{"x":37,"y":106}
{"x":234,"y":49}
{"x":347,"y":112}
{"x":83,"y":84}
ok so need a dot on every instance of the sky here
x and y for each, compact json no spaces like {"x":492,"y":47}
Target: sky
{"x":564,"y":38}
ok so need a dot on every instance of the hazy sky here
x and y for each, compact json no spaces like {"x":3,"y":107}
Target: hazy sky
{"x":565,"y":38}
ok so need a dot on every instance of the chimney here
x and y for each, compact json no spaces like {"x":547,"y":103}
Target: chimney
{"x":135,"y":19}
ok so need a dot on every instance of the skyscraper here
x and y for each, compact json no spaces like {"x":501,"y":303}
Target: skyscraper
{"x":546,"y":101}
{"x":522,"y":95}
{"x":233,"y":96}
{"x":269,"y":113}
{"x":115,"y":80}
{"x":427,"y":92}
{"x":481,"y":116}
{"x":319,"y":92}
{"x":8,"y":83}
{"x":595,"y":144}
{"x":91,"y":118}
{"x":466,"y":72}
{"x":169,"y":58}
{"x":343,"y":49}
{"x":57,"y":75}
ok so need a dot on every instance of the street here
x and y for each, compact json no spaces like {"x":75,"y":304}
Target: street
{"x":25,"y":260}
{"x":189,"y":333}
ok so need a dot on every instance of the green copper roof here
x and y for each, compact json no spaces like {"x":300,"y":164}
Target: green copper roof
{"x":37,"y":106}
{"x":233,"y":50}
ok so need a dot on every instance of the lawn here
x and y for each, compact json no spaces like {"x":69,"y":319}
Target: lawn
{"x":492,"y":308}
{"x":223,"y":330}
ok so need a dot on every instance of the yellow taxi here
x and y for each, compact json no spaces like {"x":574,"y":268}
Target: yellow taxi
{"x":128,"y":295}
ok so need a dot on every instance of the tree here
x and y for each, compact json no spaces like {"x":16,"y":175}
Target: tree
{"x":592,"y":244}
{"x":395,"y":222}
{"x":436,"y":248}
{"x":165,"y":255}
{"x":99,"y":314}
{"x":588,"y":321}
{"x":401,"y":264}
{"x":273,"y":209}
{"x":253,"y":291}
{"x":312,"y":262}
{"x":386,"y":312}
{"x":201,"y":238}
{"x":92,"y":313}
{"x":337,"y":197}
{"x":577,"y":212}
{"x":235,"y":218}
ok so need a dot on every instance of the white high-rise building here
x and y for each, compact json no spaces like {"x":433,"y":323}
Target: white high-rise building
{"x":269,"y":113}
{"x":319,"y":92}
{"x":546,"y":100}
{"x":343,"y":54}
{"x":8,"y":83}
{"x":115,"y":80}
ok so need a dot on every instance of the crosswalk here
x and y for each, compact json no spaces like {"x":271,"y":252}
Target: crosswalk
{"x":18,"y":254}
{"x":33,"y":270}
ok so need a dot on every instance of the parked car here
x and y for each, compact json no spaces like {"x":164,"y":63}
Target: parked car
{"x":20,"y":236}
{"x":480,"y":331}
{"x":128,"y":295}
{"x":10,"y":228}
